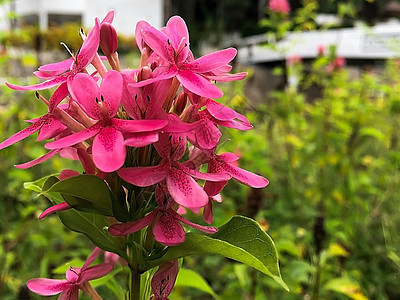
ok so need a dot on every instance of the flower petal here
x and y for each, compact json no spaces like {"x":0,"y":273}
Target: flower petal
{"x":58,"y":207}
{"x":159,"y":43}
{"x":245,"y":177}
{"x":198,"y":84}
{"x":22,"y":134}
{"x":70,"y":294}
{"x":74,"y":138}
{"x":85,"y":91}
{"x":109,"y":150}
{"x":58,"y":67}
{"x":47,"y":287}
{"x":40,"y":86}
{"x":213,"y":60}
{"x":141,"y":139}
{"x":96,"y":252}
{"x":163,"y":280}
{"x":111,"y":90}
{"x":168,"y":231}
{"x":144,"y":176}
{"x":94,"y":272}
{"x":51,"y":127}
{"x":88,"y":49}
{"x":185,"y":190}
{"x":178,"y":35}
{"x":127,"y":228}
{"x":139,"y":125}
{"x":207,"y":229}
{"x":38,"y":160}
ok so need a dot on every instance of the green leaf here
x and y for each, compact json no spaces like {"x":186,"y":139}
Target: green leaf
{"x":87,"y":193}
{"x":37,"y":184}
{"x":189,"y":278}
{"x":94,"y":227}
{"x":346,"y":286}
{"x":241,"y":239}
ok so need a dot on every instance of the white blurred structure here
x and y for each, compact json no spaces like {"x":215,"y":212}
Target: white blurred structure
{"x":46,"y":12}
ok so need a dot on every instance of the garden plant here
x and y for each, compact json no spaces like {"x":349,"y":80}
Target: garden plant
{"x":138,"y":175}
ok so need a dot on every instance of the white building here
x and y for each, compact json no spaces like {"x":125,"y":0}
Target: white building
{"x":46,"y":12}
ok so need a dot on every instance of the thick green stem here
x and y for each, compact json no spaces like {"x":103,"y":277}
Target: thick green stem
{"x":135,"y":285}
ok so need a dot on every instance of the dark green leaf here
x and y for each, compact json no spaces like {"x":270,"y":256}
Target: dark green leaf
{"x":87,"y":193}
{"x":94,"y":227}
{"x":240,"y":239}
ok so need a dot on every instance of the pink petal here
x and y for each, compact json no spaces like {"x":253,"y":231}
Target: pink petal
{"x":227,"y":77}
{"x":208,"y":229}
{"x":109,"y":18}
{"x":145,"y":176}
{"x":85,"y":91}
{"x":74,"y":138}
{"x":158,"y":42}
{"x":111,"y":90}
{"x":58,"y":207}
{"x":178,"y":34}
{"x":58,"y":67}
{"x":59,"y":94}
{"x":127,"y":228}
{"x":94,"y":272}
{"x":51,"y":127}
{"x":139,"y":125}
{"x":96,"y":252}
{"x":185,"y":190}
{"x":72,"y":274}
{"x":219,"y":111}
{"x":67,"y":173}
{"x":38,"y":160}
{"x":70,"y":294}
{"x":205,"y":176}
{"x":109,"y":150}
{"x":141,"y":139}
{"x":160,"y":73}
{"x":176,"y":125}
{"x":213,"y":60}
{"x":47,"y":287}
{"x":138,"y":33}
{"x":228,"y":157}
{"x":208,"y":135}
{"x":164,"y":279}
{"x":168,"y":231}
{"x":198,"y":84}
{"x":22,"y":134}
{"x":40,"y":86}
{"x":245,"y":177}
{"x":208,"y":213}
{"x":88,"y":49}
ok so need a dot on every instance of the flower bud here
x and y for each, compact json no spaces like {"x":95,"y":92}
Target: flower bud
{"x":108,"y":39}
{"x":144,"y":73}
{"x":180,"y":103}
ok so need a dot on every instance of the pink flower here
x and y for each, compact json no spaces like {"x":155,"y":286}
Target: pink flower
{"x":279,"y":6}
{"x":167,"y":228}
{"x":163,"y":280}
{"x":59,"y":72}
{"x":179,"y":178}
{"x":172,"y":46}
{"x":102,"y":104}
{"x":75,"y":279}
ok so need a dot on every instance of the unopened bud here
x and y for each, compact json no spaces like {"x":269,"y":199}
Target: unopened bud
{"x":144,"y":73}
{"x":180,"y":103}
{"x":108,"y":39}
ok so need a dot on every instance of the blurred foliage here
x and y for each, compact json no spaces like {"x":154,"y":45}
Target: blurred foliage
{"x":332,"y":203}
{"x":31,"y":37}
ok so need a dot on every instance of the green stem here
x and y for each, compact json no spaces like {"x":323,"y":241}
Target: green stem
{"x":135,"y":285}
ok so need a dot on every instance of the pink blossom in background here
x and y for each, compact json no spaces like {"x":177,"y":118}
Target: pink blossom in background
{"x":279,"y":6}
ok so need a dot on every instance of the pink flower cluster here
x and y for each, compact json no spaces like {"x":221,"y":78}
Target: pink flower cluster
{"x":279,"y":6}
{"x":136,"y":124}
